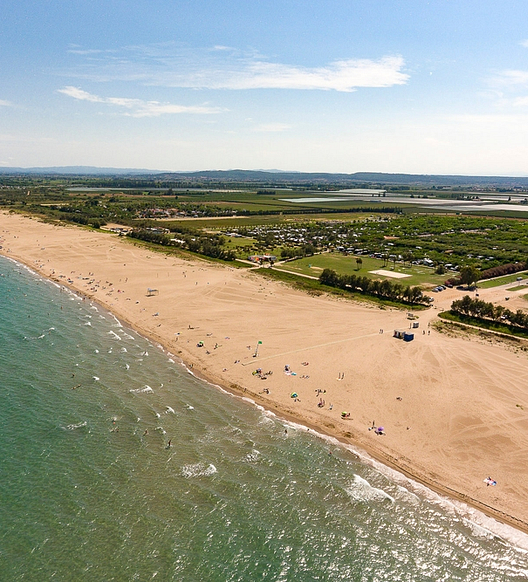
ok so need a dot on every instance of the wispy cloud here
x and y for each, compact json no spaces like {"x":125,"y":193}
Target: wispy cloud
{"x":509,"y":89}
{"x":138,"y":107}
{"x":223,"y":67}
{"x":4,"y":103}
{"x":511,"y":78}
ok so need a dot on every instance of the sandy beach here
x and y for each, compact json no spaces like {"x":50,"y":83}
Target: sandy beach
{"x":453,"y":407}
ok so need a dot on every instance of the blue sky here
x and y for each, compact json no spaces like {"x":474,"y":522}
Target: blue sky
{"x":415,"y":86}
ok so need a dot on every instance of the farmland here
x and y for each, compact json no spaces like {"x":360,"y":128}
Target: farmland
{"x":402,"y":230}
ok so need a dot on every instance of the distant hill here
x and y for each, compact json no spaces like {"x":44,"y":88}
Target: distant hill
{"x":371,"y":178}
{"x":277,"y":178}
{"x":79,"y":171}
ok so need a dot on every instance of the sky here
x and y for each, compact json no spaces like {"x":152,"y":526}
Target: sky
{"x":412,"y":86}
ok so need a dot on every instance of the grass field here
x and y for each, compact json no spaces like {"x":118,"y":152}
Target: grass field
{"x":419,"y":275}
{"x":313,"y":287}
{"x":487,"y":284}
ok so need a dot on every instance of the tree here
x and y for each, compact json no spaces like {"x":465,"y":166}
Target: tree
{"x":407,"y":258}
{"x":308,"y":249}
{"x":359,"y":263}
{"x":329,"y":277}
{"x":469,"y":275}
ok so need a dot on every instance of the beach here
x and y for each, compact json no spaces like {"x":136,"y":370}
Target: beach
{"x":452,"y":407}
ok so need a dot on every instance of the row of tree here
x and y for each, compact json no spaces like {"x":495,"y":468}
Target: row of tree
{"x":209,"y":246}
{"x":470,"y":275}
{"x":489,"y":311}
{"x":384,"y":289}
{"x":501,"y":270}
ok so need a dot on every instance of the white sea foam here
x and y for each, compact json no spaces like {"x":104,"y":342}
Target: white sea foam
{"x":407,"y":495}
{"x":75,"y":426}
{"x":169,"y":410}
{"x":252,"y":402}
{"x":198,"y":470}
{"x":118,"y":323}
{"x":361,"y":490}
{"x":114,"y":335}
{"x":253,"y":456}
{"x":145,"y":390}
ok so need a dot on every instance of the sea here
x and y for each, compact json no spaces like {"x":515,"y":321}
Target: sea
{"x":118,"y":464}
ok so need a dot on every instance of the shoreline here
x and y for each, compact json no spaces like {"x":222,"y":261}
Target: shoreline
{"x":395,"y":458}
{"x":365,"y":454}
{"x":386,"y":460}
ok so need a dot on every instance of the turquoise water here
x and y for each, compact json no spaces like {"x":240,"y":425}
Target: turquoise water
{"x":90,"y":490}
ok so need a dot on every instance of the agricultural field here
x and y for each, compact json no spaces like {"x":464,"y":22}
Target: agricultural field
{"x":403,"y":230}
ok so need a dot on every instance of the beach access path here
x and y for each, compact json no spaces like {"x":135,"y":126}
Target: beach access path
{"x":454,"y":407}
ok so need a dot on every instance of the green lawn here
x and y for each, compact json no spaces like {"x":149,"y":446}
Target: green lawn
{"x":501,"y":280}
{"x":239,"y":242}
{"x":419,"y":275}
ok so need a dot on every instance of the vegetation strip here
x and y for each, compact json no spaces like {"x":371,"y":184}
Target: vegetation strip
{"x":487,"y":316}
